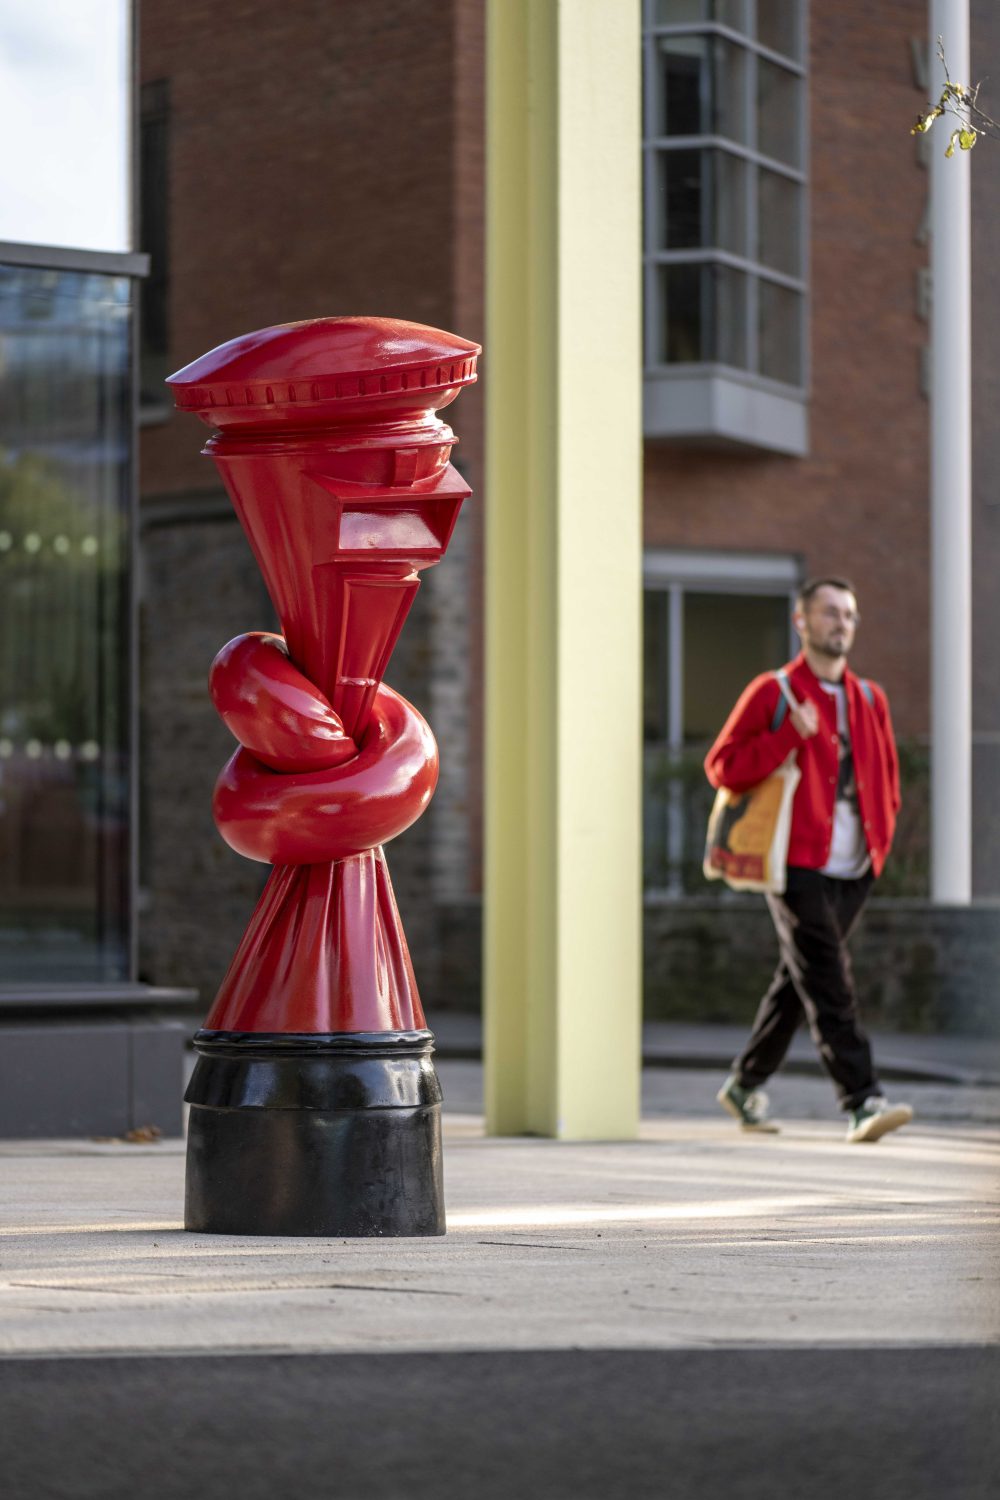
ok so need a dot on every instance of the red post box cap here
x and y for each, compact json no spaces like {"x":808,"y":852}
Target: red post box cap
{"x":326,"y":371}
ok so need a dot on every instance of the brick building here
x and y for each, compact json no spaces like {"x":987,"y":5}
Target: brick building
{"x":328,"y":158}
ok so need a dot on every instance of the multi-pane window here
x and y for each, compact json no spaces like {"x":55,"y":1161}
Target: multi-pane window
{"x":725,"y":279}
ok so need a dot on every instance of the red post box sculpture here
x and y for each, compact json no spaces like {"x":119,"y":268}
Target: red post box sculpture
{"x":315,"y":1108}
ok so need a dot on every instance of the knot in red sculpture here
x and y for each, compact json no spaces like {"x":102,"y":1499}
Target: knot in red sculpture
{"x":300,"y":791}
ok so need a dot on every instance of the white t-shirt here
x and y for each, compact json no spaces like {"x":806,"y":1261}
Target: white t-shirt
{"x":849,"y":855}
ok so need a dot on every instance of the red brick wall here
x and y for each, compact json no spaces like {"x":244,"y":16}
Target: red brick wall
{"x":311,"y":173}
{"x":858,"y":503}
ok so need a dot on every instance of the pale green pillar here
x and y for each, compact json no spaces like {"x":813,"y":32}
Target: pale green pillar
{"x":562,"y":372}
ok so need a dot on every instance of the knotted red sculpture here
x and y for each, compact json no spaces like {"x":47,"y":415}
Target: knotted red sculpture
{"x":315,"y":1108}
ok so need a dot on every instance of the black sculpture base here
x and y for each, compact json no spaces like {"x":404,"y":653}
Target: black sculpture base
{"x":314,"y":1135}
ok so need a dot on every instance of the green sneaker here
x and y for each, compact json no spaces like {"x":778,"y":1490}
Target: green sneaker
{"x":749,"y":1106}
{"x":876,"y":1118}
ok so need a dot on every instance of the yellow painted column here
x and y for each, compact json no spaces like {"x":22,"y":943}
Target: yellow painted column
{"x":563,"y":371}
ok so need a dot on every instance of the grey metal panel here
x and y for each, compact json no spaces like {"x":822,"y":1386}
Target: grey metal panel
{"x":724,"y":408}
{"x":58,"y":258}
{"x":64,"y":1081}
{"x":93,"y":1079}
{"x":89,"y":997}
{"x":714,"y":568}
{"x":157,"y":1086}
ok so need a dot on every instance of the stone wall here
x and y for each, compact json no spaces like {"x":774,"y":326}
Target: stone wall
{"x":199,"y":586}
{"x":919,"y":967}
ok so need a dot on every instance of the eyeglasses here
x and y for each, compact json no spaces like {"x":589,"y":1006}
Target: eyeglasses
{"x":838,"y":616}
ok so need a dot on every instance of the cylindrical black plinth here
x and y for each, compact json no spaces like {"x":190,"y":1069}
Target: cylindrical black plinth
{"x":325,"y":1135}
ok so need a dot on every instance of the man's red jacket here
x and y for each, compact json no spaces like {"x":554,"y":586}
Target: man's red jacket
{"x":747,"y":751}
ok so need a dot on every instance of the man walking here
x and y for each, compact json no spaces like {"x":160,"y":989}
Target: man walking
{"x":843,"y":817}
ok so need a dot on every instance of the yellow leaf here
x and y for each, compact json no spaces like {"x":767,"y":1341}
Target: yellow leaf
{"x":951,"y":143}
{"x":967,"y":139}
{"x":924,"y":122}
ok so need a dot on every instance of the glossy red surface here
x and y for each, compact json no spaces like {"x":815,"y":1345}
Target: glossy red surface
{"x":338,"y":470}
{"x":327,"y":370}
{"x":308,"y":817}
{"x":273,"y":709}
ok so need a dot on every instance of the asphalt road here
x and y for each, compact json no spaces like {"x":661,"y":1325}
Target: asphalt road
{"x":744,"y":1424}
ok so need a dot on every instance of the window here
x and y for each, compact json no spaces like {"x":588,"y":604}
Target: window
{"x":725,"y":220}
{"x":65,"y":443}
{"x":712,"y":621}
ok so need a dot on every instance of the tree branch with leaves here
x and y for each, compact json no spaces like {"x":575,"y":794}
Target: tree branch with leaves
{"x":962,"y":104}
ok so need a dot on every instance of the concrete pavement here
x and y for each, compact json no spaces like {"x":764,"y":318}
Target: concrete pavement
{"x":696,"y":1235}
{"x":837,"y":1289}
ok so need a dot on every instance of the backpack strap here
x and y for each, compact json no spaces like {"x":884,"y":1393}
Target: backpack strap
{"x":784,"y":693}
{"x":781,"y":707}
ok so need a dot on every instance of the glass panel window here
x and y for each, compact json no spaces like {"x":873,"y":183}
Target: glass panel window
{"x":656,"y":650}
{"x":702,"y":201}
{"x":683,"y":201}
{"x":661,"y":824}
{"x":680,"y":12}
{"x":780,"y":332}
{"x":779,"y":27}
{"x":64,"y":120}
{"x":779,"y":125}
{"x":703,"y":87}
{"x":704,"y":315}
{"x":64,"y":774}
{"x":728,"y":639}
{"x":683,"y":341}
{"x":683,"y":12}
{"x":779,"y":221}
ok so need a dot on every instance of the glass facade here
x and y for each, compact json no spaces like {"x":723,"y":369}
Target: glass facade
{"x":65,"y":446}
{"x":725,"y":145}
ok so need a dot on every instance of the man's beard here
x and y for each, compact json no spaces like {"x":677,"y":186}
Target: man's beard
{"x":830,"y":648}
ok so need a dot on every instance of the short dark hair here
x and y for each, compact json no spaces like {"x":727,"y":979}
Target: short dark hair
{"x":813,"y":585}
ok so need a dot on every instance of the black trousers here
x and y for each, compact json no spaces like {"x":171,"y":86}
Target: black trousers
{"x":814,"y":919}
